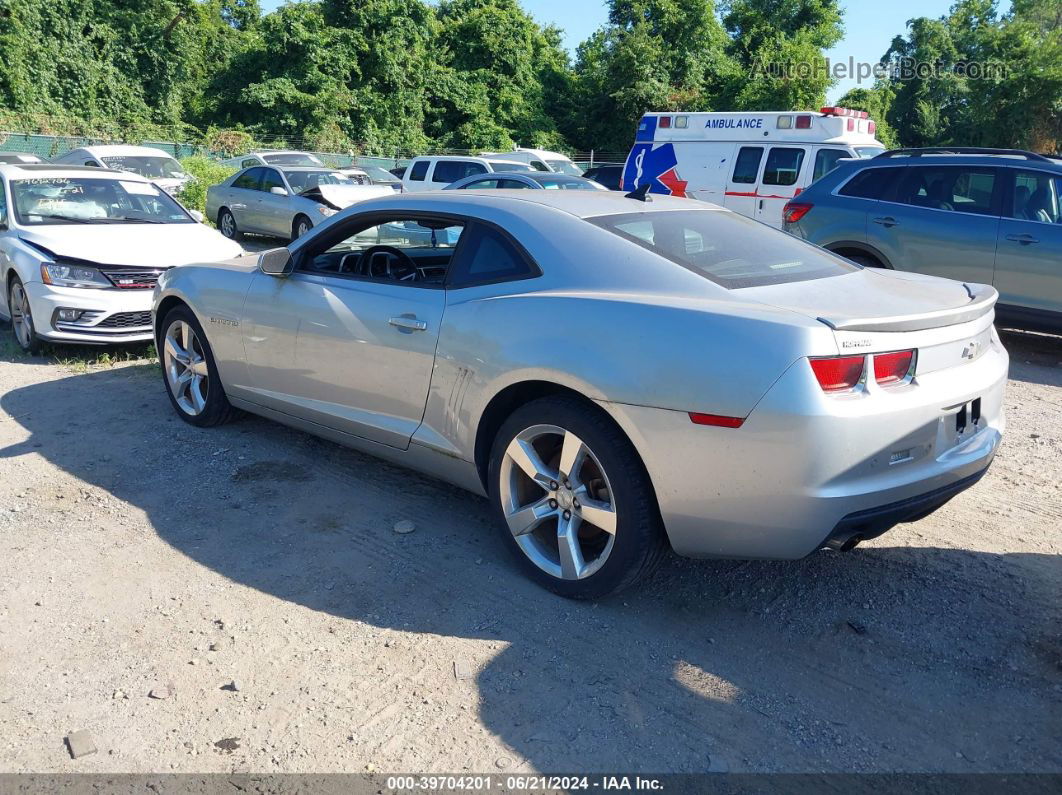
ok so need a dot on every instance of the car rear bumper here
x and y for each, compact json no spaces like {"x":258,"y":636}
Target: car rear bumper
{"x":112,"y":317}
{"x":805,"y":468}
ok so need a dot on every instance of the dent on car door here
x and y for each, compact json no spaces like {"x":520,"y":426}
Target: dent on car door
{"x":940,"y":220}
{"x":348,"y":343}
{"x":1028,"y":270}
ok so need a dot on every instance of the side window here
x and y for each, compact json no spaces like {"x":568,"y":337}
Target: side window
{"x":512,"y":184}
{"x":248,"y":180}
{"x":488,"y":256}
{"x":870,"y":183}
{"x":3,"y":205}
{"x":92,"y":163}
{"x":248,"y":163}
{"x":271,"y":179}
{"x":951,"y":188}
{"x":1037,"y":197}
{"x":418,"y":171}
{"x":538,"y":165}
{"x":783,"y":166}
{"x":481,"y":184}
{"x":826,"y":161}
{"x":447,"y":171}
{"x":747,"y":165}
{"x":415,"y":252}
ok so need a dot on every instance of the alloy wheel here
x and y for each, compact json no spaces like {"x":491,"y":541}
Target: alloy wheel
{"x":21,"y":320}
{"x":302,"y":229}
{"x":186,"y":368}
{"x":228,"y":225}
{"x":558,"y":502}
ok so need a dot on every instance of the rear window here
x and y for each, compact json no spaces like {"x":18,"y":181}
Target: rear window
{"x":729,"y":249}
{"x":870,"y":183}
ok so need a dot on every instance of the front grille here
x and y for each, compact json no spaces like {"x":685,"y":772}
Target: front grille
{"x":126,"y":320}
{"x":133,"y":279}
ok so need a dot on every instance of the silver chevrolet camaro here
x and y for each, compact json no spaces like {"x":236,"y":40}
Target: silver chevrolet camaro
{"x":618,"y":374}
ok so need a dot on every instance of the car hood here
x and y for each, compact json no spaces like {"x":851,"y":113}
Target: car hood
{"x":872,"y":299}
{"x":342,"y":196}
{"x":141,"y":245}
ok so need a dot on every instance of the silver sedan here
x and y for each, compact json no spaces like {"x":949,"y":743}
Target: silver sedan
{"x":283,"y":201}
{"x":517,"y":180}
{"x":618,"y":374}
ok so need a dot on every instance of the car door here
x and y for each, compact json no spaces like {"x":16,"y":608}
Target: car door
{"x":741,"y":182}
{"x":782,"y":174}
{"x":1028,"y":271}
{"x":241,"y":198}
{"x":273,"y":213}
{"x":941,"y":220}
{"x":343,"y":343}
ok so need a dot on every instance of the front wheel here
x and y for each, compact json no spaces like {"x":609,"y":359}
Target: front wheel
{"x":575,"y":500}
{"x":190,"y":372}
{"x":18,"y":305}
{"x":300,"y":227}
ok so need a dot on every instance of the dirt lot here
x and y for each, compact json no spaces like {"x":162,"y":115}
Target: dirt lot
{"x":140,"y":555}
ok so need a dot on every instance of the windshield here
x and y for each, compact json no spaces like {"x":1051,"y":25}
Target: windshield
{"x":378,"y":174}
{"x":726,"y":248}
{"x":292,"y":159}
{"x":498,"y":165}
{"x":302,"y":181}
{"x":149,"y":166}
{"x":560,"y":182}
{"x":869,"y":151}
{"x":74,"y":200}
{"x":565,"y":167}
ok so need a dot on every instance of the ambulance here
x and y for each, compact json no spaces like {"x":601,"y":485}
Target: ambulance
{"x":752,"y":163}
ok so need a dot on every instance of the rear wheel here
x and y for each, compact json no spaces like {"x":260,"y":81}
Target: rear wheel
{"x":22,"y":317}
{"x":300,"y":227}
{"x":190,"y":373}
{"x":575,"y":501}
{"x":227,"y":224}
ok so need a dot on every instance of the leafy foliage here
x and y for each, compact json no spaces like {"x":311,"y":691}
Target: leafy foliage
{"x":400,"y":76}
{"x":206,"y":172}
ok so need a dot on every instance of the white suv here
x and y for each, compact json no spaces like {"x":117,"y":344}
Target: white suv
{"x":435,"y":172}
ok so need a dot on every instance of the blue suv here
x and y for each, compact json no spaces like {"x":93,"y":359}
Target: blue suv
{"x":978,"y":215}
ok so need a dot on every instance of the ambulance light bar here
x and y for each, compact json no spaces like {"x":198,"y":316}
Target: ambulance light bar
{"x":832,"y":110}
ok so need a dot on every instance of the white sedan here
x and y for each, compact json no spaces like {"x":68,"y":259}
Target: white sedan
{"x":81,"y":249}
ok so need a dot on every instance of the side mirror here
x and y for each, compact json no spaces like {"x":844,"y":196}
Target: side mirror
{"x":276,"y":262}
{"x":276,"y":191}
{"x":198,"y":216}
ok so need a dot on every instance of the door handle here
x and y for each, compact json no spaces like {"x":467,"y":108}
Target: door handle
{"x":408,"y":323}
{"x":1023,"y":239}
{"x":886,"y":221}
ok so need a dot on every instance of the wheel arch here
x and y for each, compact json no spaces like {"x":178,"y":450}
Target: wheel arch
{"x":846,"y":248}
{"x":164,"y":307}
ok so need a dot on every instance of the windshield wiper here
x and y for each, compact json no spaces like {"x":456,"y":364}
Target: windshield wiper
{"x":132,"y":219}
{"x":63,"y":218}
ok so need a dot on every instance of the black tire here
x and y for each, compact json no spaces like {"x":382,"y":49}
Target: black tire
{"x":866,"y":261}
{"x":217,"y":410}
{"x":297,"y":225}
{"x":639,"y":542}
{"x":227,"y":225}
{"x":32,"y":344}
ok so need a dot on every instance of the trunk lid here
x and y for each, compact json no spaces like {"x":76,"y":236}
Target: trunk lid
{"x":873,"y":300}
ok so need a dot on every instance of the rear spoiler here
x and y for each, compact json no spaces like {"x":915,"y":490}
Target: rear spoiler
{"x":982,"y":300}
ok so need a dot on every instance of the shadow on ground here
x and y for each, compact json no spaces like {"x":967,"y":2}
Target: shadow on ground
{"x":885,"y":658}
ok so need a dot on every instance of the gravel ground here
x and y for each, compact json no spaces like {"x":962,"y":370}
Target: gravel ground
{"x":236,"y":600}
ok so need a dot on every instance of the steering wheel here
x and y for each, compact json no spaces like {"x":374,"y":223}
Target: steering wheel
{"x":398,"y":265}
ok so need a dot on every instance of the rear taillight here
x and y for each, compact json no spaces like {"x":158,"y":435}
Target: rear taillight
{"x":892,"y":368}
{"x":794,"y":211}
{"x":838,"y":373}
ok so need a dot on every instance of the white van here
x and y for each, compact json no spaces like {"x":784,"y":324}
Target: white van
{"x":541,"y":160}
{"x":752,"y":163}
{"x":435,"y":172}
{"x":147,"y":161}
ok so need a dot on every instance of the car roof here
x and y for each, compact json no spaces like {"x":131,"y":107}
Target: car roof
{"x":283,"y":167}
{"x":103,"y":150}
{"x":960,"y":159}
{"x":263,"y":152}
{"x":46,"y":170}
{"x":580,"y":203}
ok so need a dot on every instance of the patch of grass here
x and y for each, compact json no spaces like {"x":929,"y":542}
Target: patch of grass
{"x":85,"y":359}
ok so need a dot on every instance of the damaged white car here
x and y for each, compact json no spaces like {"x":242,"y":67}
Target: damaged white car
{"x":283,"y":202}
{"x":81,"y":249}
